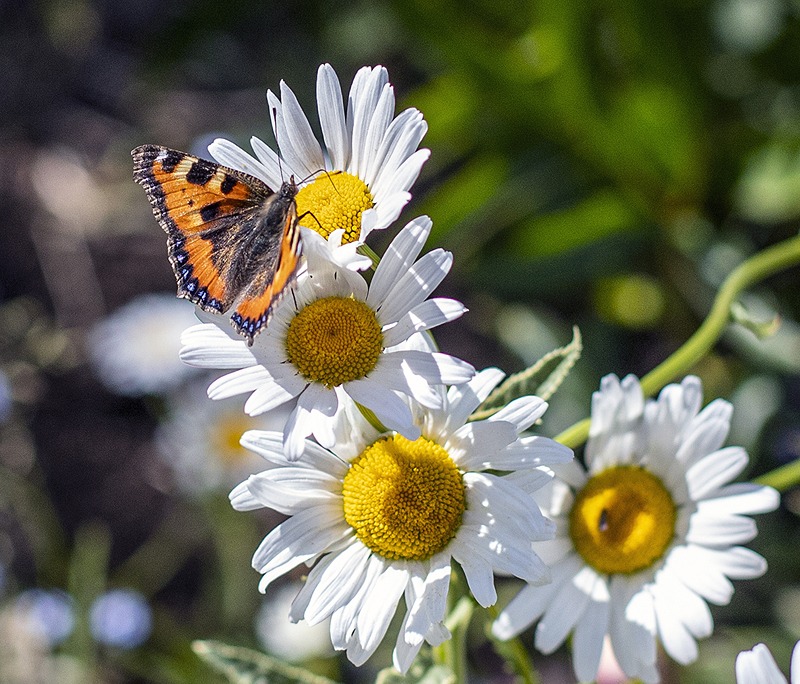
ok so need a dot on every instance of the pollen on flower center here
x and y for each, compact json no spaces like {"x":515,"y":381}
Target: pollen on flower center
{"x":332,"y":201}
{"x":404,"y":499}
{"x":623,"y":520}
{"x":334,"y":340}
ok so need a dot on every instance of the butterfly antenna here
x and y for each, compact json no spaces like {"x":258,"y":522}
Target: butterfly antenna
{"x":277,"y":144}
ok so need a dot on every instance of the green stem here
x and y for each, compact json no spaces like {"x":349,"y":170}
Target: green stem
{"x":514,"y":651}
{"x":371,"y":418}
{"x":782,"y":478}
{"x":753,"y":270}
{"x":366,"y":250}
{"x":455,"y":652}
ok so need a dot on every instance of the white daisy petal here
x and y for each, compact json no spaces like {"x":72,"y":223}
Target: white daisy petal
{"x":206,"y":346}
{"x":474,"y":443}
{"x":415,"y":285}
{"x":279,"y":169}
{"x":381,"y":118}
{"x":522,"y":412}
{"x":228,"y":154}
{"x":408,"y":172}
{"x":440,"y":369}
{"x":240,"y":381}
{"x":678,"y":641}
{"x":387,"y":406}
{"x":337,"y":585}
{"x":757,"y":666}
{"x":242,"y":500}
{"x":712,"y":530}
{"x":401,"y":253}
{"x":290,"y":490}
{"x":295,"y":137}
{"x":373,"y":621}
{"x":715,"y":470}
{"x":424,"y":316}
{"x":269,"y":445}
{"x":556,"y":623}
{"x":742,"y":498}
{"x":272,"y":393}
{"x":332,"y":117}
{"x":588,"y":640}
{"x":464,"y":399}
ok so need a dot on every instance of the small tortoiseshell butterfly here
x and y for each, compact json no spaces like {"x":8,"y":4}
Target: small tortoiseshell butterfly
{"x":231,"y":240}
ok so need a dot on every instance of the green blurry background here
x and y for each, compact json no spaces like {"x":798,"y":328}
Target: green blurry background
{"x":602,"y":163}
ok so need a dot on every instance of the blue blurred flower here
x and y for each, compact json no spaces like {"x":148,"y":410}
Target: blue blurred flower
{"x":121,"y":618}
{"x":49,"y":613}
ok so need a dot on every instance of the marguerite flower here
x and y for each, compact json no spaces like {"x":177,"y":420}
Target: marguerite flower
{"x":381,"y":517}
{"x":369,"y":157}
{"x":135,"y":350}
{"x":647,"y":536}
{"x":199,"y":440}
{"x":757,"y":666}
{"x":336,"y":336}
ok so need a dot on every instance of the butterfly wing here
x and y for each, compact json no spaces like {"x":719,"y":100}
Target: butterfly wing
{"x":208,"y":212}
{"x":279,"y":267}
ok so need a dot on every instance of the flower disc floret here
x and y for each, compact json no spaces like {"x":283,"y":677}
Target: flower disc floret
{"x":404,"y":499}
{"x":623,"y":520}
{"x":333,"y":201}
{"x":334,"y":340}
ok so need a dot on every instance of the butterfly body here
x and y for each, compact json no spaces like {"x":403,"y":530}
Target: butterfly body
{"x":233,"y":243}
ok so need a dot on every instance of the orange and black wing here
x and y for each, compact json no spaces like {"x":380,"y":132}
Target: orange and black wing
{"x":278,"y":266}
{"x":209,"y":212}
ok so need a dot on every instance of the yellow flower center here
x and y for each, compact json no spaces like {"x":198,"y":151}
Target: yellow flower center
{"x":623,"y":520}
{"x":228,"y":431}
{"x":334,"y":340}
{"x":404,"y":499}
{"x":332,"y":201}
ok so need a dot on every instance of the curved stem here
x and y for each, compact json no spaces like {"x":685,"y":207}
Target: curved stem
{"x":782,"y":478}
{"x":749,"y":272}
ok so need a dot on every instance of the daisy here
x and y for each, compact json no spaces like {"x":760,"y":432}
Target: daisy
{"x":134,"y":351}
{"x":369,"y":156}
{"x":199,"y":440}
{"x":647,"y":536}
{"x":335,"y":336}
{"x":381,"y":517}
{"x":759,"y":667}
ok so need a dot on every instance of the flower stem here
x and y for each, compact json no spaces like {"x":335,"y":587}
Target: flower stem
{"x":455,"y":654}
{"x":782,"y":478}
{"x":514,"y":651}
{"x":749,"y":272}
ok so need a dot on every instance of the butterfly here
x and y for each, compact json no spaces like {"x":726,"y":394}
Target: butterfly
{"x":233,"y":242}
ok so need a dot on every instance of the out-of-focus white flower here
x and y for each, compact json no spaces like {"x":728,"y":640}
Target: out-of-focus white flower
{"x":291,"y":641}
{"x":199,"y":440}
{"x":135,"y":350}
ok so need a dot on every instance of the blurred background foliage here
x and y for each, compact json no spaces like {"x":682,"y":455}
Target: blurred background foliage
{"x":602,"y":163}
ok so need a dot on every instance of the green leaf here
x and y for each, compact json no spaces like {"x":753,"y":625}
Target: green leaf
{"x":543,"y":378}
{"x":245,"y":666}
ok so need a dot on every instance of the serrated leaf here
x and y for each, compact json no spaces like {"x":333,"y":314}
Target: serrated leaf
{"x":543,"y":378}
{"x":245,"y":666}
